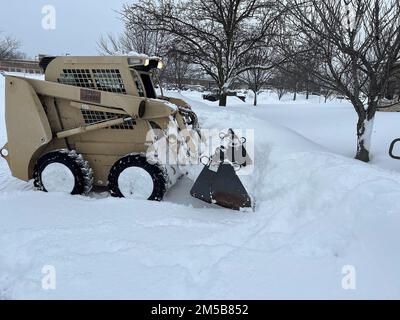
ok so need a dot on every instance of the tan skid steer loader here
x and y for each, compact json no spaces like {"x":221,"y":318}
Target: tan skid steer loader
{"x":92,"y":122}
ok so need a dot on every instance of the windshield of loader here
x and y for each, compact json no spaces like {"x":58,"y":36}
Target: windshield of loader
{"x":144,"y":84}
{"x":142,"y":77}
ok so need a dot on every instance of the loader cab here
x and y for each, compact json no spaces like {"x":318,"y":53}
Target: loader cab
{"x":131,"y":75}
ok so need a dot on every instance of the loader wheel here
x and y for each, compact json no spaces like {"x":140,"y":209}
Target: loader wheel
{"x":134,"y":178}
{"x":63,"y":171}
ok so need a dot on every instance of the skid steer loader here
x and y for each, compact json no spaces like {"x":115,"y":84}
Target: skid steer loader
{"x":92,"y":122}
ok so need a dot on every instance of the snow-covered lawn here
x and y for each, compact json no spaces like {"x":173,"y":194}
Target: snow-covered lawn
{"x":317,"y":210}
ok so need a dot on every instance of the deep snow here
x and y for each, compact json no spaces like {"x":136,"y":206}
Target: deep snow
{"x":317,"y":211}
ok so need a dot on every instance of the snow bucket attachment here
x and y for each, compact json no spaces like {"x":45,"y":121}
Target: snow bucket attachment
{"x":218,"y":183}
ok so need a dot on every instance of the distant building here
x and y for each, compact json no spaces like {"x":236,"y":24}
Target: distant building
{"x":391,"y":99}
{"x":393,"y":87}
{"x":207,"y":83}
{"x":21,"y":65}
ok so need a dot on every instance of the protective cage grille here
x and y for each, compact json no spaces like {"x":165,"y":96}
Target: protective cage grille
{"x":77,"y":77}
{"x":93,"y":117}
{"x":108,"y":80}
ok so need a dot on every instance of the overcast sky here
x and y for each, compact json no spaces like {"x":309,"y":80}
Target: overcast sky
{"x":79,"y":24}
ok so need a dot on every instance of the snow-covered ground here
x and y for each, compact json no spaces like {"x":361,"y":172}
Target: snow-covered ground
{"x":317,"y":211}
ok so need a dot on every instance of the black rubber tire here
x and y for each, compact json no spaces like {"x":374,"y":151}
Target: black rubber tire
{"x":75,"y":162}
{"x":158,"y":175}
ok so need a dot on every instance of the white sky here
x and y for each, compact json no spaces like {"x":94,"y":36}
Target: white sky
{"x":79,"y":24}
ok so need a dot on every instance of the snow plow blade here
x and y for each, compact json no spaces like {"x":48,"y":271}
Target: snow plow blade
{"x":202,"y":188}
{"x":218,"y":183}
{"x":228,"y":191}
{"x":223,"y":188}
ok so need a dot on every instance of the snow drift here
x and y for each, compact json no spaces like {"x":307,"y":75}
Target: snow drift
{"x":316,"y":212}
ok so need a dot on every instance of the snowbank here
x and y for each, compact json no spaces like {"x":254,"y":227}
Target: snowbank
{"x":316,"y":212}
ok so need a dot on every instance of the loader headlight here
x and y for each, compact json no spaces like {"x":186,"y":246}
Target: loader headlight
{"x":4,"y":153}
{"x":146,"y":62}
{"x":160,"y":65}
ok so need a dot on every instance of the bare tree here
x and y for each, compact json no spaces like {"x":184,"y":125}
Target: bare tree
{"x":258,"y":74}
{"x":291,"y":77}
{"x":9,"y":47}
{"x":327,"y":94}
{"x":255,"y":79}
{"x":217,"y":35}
{"x":177,"y":67}
{"x":358,"y":43}
{"x":136,"y":38}
{"x":110,"y":45}
{"x":280,"y":91}
{"x":139,"y":37}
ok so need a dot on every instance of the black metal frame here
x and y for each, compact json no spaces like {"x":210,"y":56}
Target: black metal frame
{"x":223,"y":187}
{"x":392,"y":148}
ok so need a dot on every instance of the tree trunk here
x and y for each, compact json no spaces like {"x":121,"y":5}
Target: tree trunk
{"x":365,"y":126}
{"x":223,"y":99}
{"x":364,"y":135}
{"x":255,"y":99}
